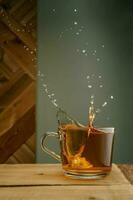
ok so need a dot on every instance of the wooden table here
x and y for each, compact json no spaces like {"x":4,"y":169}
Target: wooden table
{"x":47,"y":182}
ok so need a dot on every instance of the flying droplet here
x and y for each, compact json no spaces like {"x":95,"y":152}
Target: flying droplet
{"x":98,"y":59}
{"x":101,"y":86}
{"x":44,"y":85}
{"x":98,"y":110}
{"x":53,"y":9}
{"x":103,"y":46}
{"x":52,"y":94}
{"x":46,"y":90}
{"x":95,"y":51}
{"x":92,"y":96}
{"x":83,"y":51}
{"x":77,"y":33}
{"x":75,"y":10}
{"x":112,"y":97}
{"x":99,"y":76}
{"x":89,"y":86}
{"x":88,"y":77}
{"x":75,"y":23}
{"x":104,"y":104}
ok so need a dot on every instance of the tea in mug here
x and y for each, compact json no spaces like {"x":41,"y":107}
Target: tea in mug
{"x":85,"y":149}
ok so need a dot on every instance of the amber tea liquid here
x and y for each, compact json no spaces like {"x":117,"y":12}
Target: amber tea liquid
{"x":85,"y":149}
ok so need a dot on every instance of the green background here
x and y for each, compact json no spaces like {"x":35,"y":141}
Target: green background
{"x":108,"y":23}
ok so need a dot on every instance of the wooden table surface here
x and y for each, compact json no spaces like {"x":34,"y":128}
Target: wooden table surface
{"x":46,"y":181}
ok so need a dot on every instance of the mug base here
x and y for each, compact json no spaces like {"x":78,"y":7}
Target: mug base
{"x":75,"y":175}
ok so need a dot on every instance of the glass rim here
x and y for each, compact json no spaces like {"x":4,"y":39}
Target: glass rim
{"x":106,"y":129}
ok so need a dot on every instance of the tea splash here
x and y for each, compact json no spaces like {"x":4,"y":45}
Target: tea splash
{"x":83,"y":148}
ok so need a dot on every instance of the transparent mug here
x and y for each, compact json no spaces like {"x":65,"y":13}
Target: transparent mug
{"x":84,"y":154}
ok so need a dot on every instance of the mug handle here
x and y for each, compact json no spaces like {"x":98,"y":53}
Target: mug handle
{"x":44,"y":147}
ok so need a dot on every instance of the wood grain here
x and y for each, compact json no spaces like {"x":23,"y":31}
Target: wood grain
{"x":47,"y":174}
{"x":68,"y":193}
{"x":17,"y":135}
{"x":24,"y":36}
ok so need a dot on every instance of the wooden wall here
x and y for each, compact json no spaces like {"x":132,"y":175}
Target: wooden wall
{"x":17,"y":80}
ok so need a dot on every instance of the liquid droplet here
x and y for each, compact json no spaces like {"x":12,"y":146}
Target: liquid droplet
{"x":88,"y":77}
{"x":83,"y":51}
{"x":89,"y":86}
{"x":104,"y":104}
{"x":46,"y":90}
{"x":44,"y":85}
{"x":101,"y":86}
{"x":99,"y":76}
{"x":98,"y":110}
{"x":98,"y":59}
{"x":75,"y":23}
{"x":112,"y":97}
{"x":103,"y":46}
{"x":77,"y":33}
{"x":75,"y":10}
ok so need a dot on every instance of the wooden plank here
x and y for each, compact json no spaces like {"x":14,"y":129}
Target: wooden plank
{"x":52,"y":175}
{"x":5,"y":33}
{"x":17,"y":29}
{"x":22,"y":57}
{"x":16,"y":109}
{"x":15,"y":92}
{"x":68,"y":193}
{"x":24,"y":154}
{"x":21,"y":11}
{"x":29,"y":16}
{"x":17,"y":135}
{"x":31,"y":143}
{"x":5,"y":70}
{"x":16,"y":6}
{"x":7,"y":85}
{"x":12,"y":160}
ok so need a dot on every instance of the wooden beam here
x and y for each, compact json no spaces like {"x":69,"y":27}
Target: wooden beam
{"x":17,"y":29}
{"x":5,"y":70}
{"x":5,"y":33}
{"x":31,"y":143}
{"x":24,"y":154}
{"x":23,"y":58}
{"x":7,"y":85}
{"x":15,"y":92}
{"x":17,"y":135}
{"x":15,"y":110}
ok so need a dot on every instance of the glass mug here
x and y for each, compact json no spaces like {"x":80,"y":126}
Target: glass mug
{"x":85,"y":153}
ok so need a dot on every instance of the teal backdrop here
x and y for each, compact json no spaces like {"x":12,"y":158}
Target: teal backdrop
{"x":80,"y":38}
